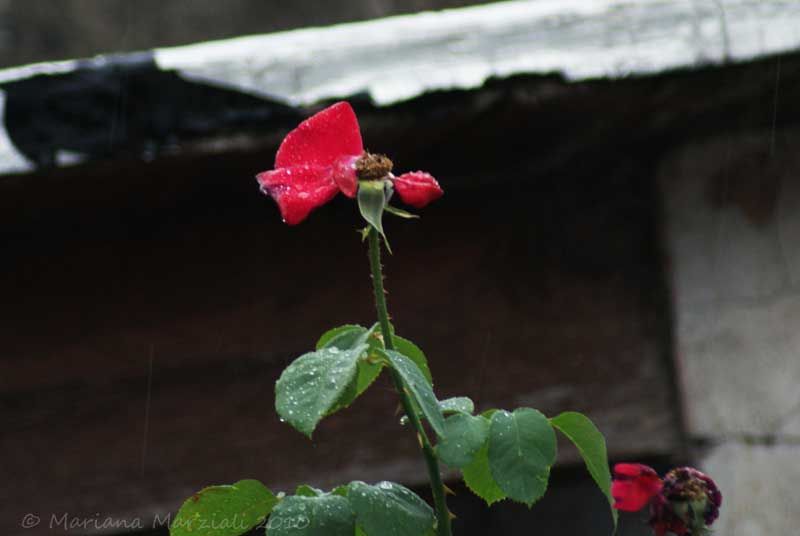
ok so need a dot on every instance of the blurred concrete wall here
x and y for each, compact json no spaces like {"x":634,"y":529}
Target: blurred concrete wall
{"x":40,"y":30}
{"x":733,"y":223}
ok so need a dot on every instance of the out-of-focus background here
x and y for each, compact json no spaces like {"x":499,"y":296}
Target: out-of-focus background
{"x":618,"y":237}
{"x":47,"y":30}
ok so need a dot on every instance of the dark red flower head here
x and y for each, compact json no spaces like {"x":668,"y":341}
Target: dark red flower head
{"x":324,"y":155}
{"x":695,"y":491}
{"x":686,"y":502}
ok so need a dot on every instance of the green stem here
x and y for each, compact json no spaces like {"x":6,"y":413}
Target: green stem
{"x":437,"y":486}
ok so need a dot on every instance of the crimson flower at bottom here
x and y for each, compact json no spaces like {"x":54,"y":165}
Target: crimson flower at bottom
{"x":634,"y":486}
{"x":324,"y":155}
{"x":685,"y":502}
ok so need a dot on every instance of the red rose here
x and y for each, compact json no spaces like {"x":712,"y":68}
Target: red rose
{"x":634,"y":486}
{"x":324,"y":155}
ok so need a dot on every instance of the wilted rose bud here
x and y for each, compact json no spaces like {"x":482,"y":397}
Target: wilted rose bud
{"x":690,"y":502}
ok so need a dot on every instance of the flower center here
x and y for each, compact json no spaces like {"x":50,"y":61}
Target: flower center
{"x":373,"y":167}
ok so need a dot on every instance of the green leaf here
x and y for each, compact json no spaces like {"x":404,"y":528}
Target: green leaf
{"x":400,"y":212}
{"x":348,"y":337}
{"x":224,"y":510}
{"x":313,"y":384}
{"x":343,"y":337}
{"x":418,"y":388}
{"x":414,"y":353}
{"x":464,"y":435}
{"x":459,"y":404}
{"x":367,"y":374}
{"x":307,"y":491}
{"x":478,"y":478}
{"x":522,"y":447}
{"x":372,"y":202}
{"x":340,"y":490}
{"x":325,"y":515}
{"x":389,"y":509}
{"x":592,"y":446}
{"x":369,"y":369}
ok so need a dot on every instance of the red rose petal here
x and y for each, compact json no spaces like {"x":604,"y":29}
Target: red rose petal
{"x":628,"y":496}
{"x":322,"y":138}
{"x":298,"y":190}
{"x":345,"y":176}
{"x":634,"y":486}
{"x":417,"y":189}
{"x":632,"y":470}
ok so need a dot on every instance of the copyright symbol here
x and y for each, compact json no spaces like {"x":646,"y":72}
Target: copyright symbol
{"x":29,"y":521}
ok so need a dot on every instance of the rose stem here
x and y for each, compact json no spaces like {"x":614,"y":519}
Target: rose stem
{"x":437,"y":486}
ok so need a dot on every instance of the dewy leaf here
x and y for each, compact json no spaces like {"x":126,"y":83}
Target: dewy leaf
{"x":307,"y":491}
{"x":325,"y":515}
{"x":341,"y":490}
{"x":459,"y":404}
{"x":478,"y":478}
{"x":592,"y":446}
{"x":418,"y":388}
{"x":522,"y":447}
{"x":389,"y":509}
{"x":464,"y":435}
{"x":371,"y":203}
{"x":224,"y":510}
{"x":312,"y":385}
{"x":348,"y":337}
{"x":414,"y":353}
{"x":342,"y":337}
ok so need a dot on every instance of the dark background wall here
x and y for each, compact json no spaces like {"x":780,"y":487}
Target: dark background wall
{"x":150,"y":307}
{"x":43,"y":30}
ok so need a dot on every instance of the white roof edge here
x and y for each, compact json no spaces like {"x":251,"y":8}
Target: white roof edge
{"x":13,"y":74}
{"x":398,"y":58}
{"x":11,"y":160}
